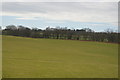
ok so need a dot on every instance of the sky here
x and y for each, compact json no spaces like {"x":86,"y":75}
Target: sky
{"x":97,"y":16}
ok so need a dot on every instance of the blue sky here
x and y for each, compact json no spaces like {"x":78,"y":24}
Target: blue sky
{"x":98,"y":16}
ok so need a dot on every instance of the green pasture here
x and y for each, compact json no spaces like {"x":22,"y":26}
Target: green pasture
{"x":52,"y":58}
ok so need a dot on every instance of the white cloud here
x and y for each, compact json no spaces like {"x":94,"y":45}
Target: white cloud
{"x":53,"y":21}
{"x":75,"y":11}
{"x":26,"y":18}
{"x":60,"y":0}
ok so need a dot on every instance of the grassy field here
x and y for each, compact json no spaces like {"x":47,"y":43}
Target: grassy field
{"x":50,"y":58}
{"x":0,"y":56}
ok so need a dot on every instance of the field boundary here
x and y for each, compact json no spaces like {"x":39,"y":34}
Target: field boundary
{"x":63,"y":39}
{"x":60,"y":79}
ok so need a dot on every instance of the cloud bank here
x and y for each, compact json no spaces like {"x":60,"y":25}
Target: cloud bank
{"x":106,"y":12}
{"x":60,"y":0}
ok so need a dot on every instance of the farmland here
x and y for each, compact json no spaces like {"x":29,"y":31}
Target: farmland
{"x":52,"y":58}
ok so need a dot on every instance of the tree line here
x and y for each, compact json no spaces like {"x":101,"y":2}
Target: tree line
{"x":86,"y":34}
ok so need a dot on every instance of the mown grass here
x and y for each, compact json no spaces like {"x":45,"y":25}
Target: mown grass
{"x":0,"y":56}
{"x":51,"y":58}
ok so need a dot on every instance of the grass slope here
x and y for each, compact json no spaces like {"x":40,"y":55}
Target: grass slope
{"x":0,"y":56}
{"x":50,"y":58}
